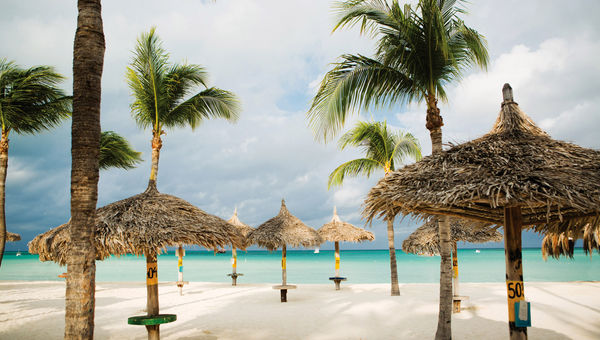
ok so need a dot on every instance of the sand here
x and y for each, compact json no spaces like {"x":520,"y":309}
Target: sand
{"x":35,"y":310}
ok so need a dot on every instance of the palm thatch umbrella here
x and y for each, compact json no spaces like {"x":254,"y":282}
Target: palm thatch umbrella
{"x":12,"y":237}
{"x":144,"y":224}
{"x":338,"y":231}
{"x":244,"y":229}
{"x":515,"y":176}
{"x":563,"y":244}
{"x":280,"y":231}
{"x":425,"y":240}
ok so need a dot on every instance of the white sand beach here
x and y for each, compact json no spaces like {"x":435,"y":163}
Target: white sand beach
{"x":35,"y":310}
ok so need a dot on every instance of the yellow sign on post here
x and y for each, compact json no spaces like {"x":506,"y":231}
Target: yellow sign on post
{"x":516,"y":293}
{"x":337,"y":261}
{"x":454,"y":267}
{"x":283,"y":263}
{"x":151,"y":273}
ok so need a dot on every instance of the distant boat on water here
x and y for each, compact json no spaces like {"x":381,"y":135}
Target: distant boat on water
{"x":477,"y":251}
{"x":18,"y":253}
{"x":316,"y":250}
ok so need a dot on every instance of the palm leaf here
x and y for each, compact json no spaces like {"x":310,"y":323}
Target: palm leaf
{"x":116,"y":152}
{"x":353,"y":168}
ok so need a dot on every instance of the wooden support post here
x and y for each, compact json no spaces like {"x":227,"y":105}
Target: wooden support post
{"x":152,"y":293}
{"x":455,"y":302}
{"x":337,"y":259}
{"x":513,"y":222}
{"x":233,"y":267}
{"x":283,"y":274}
{"x":180,"y":254}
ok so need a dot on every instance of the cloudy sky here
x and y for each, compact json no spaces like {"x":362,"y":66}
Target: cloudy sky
{"x":273,"y":54}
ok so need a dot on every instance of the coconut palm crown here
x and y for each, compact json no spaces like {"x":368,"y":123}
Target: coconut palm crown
{"x":30,"y":102}
{"x":383,"y":150}
{"x":164,"y":93}
{"x":419,"y":51}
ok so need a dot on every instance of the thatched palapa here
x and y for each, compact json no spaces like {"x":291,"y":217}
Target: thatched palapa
{"x":145,"y":223}
{"x":338,"y":231}
{"x":280,"y":231}
{"x":514,"y":176}
{"x":244,"y":229}
{"x":516,"y":163}
{"x":426,"y":240}
{"x":284,"y":229}
{"x":12,"y":237}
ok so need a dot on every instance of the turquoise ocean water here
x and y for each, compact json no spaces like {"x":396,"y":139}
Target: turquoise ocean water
{"x":304,"y":266}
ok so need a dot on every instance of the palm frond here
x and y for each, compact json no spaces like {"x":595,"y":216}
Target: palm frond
{"x":355,"y":82}
{"x":210,"y":103}
{"x":30,"y":99}
{"x":116,"y":152}
{"x":353,"y":168}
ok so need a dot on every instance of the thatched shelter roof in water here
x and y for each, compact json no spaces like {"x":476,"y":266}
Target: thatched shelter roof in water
{"x":242,"y":227}
{"x":563,"y":244}
{"x":284,"y":229}
{"x":338,"y":231}
{"x":12,"y":237}
{"x":557,"y":184}
{"x":426,"y":239}
{"x":147,"y":222}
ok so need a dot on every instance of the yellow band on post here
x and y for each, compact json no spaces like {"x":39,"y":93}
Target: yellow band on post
{"x":151,"y":273}
{"x":516,"y":292}
{"x":283,"y":263}
{"x":454,"y":268}
{"x":180,"y":262}
{"x":235,"y":262}
{"x":337,"y":263}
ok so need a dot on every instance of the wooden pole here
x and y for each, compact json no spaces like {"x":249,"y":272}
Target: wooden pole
{"x":180,"y":269}
{"x":234,"y":267}
{"x":513,"y":222}
{"x":283,"y":274}
{"x":152,"y":293}
{"x":455,"y":303}
{"x":337,"y":259}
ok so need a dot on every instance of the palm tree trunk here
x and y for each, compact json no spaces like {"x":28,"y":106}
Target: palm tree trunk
{"x":393,"y":266}
{"x":455,"y":283}
{"x":444,"y":329}
{"x":156,"y":146}
{"x":3,"y":168}
{"x":88,"y":60}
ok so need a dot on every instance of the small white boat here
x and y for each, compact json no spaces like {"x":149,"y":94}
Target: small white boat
{"x":316,"y":250}
{"x":18,"y":253}
{"x":477,"y":251}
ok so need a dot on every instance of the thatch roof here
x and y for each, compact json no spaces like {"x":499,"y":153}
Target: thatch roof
{"x":563,"y":244}
{"x":146,"y":222}
{"x":284,"y":229}
{"x":426,"y":239}
{"x":12,"y":237}
{"x":338,"y":231}
{"x":557,"y":184}
{"x":242,"y":227}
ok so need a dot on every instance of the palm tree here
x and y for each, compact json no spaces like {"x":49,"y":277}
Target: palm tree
{"x":383,"y":150}
{"x":115,"y":152}
{"x":30,"y":101}
{"x":88,"y":61}
{"x":419,"y":52}
{"x":160,"y":90}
